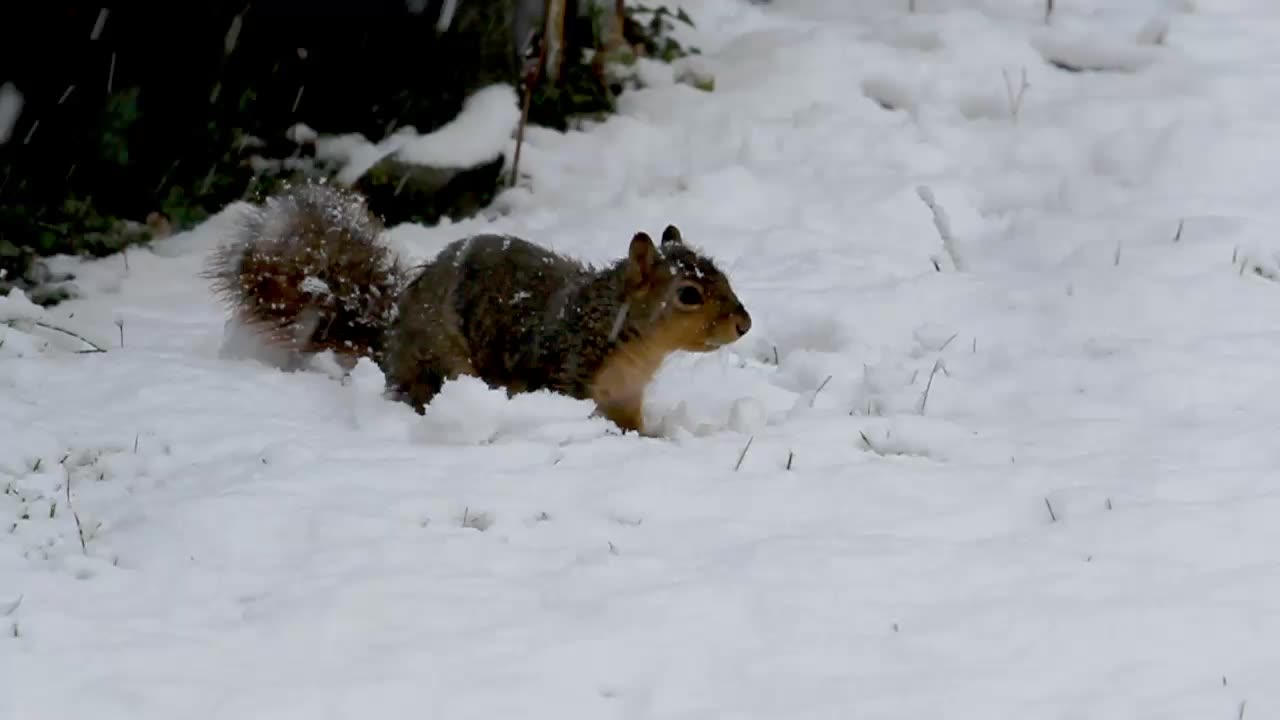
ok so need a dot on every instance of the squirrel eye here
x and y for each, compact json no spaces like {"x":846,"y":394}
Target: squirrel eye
{"x":689,"y":295}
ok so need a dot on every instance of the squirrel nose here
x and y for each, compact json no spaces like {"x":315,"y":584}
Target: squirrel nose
{"x":743,"y":323}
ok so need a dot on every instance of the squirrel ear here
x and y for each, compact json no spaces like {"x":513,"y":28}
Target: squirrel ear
{"x":640,"y":260}
{"x":671,"y":235}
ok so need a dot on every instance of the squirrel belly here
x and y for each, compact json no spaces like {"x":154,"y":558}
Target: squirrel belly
{"x":309,"y":270}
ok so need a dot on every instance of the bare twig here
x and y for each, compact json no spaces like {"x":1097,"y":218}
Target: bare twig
{"x":1053,"y":517}
{"x":38,"y":323}
{"x":791,"y":455}
{"x":742,"y":456}
{"x":524,"y":120}
{"x":1178,"y":235}
{"x":530,"y":84}
{"x":120,"y":324}
{"x":1048,"y":11}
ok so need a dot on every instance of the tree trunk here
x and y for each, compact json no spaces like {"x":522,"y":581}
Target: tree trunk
{"x":553,"y":36}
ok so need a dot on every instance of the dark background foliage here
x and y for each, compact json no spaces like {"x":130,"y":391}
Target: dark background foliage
{"x":155,"y":110}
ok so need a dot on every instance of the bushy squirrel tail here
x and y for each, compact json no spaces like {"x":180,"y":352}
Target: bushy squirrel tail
{"x":306,"y":268}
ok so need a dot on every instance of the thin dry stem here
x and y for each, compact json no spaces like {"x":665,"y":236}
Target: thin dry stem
{"x":84,"y":547}
{"x":742,"y":456}
{"x":924,"y":399}
{"x":1015,"y":96}
{"x":942,"y":223}
{"x":14,"y":606}
{"x":814,"y":399}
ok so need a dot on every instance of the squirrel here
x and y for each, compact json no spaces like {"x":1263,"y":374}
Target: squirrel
{"x":308,"y":270}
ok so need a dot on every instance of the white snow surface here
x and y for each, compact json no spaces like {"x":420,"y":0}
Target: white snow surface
{"x":1078,"y":521}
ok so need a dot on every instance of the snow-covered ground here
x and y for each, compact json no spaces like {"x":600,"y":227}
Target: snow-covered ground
{"x":1082,"y":521}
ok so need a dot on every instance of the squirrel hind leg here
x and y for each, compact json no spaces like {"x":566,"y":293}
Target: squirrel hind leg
{"x":418,"y":383}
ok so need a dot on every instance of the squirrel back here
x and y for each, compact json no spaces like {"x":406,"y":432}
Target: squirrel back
{"x":496,"y":307}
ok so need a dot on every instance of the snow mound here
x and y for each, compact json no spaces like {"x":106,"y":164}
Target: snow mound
{"x":467,"y":411}
{"x":481,"y":132}
{"x":32,"y":327}
{"x":477,"y":135}
{"x":1080,"y":52}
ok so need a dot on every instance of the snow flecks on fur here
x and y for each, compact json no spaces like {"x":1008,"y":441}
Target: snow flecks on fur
{"x":341,"y":281}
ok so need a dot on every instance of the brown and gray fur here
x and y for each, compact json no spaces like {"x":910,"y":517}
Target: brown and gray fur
{"x":306,"y":272}
{"x":499,"y":308}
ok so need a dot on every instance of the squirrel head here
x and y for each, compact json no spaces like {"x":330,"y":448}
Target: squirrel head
{"x":678,"y":298}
